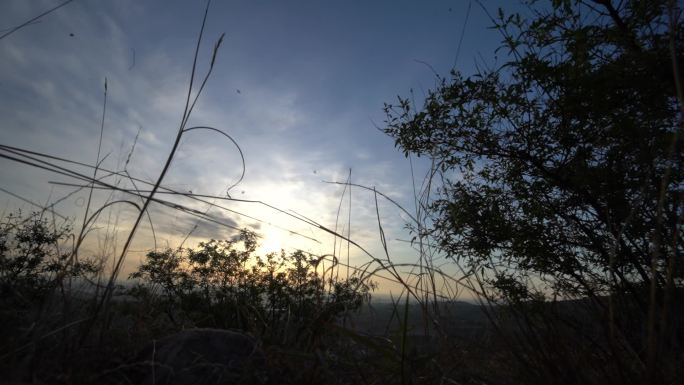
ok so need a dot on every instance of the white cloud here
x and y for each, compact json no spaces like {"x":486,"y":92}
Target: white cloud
{"x":299,"y":117}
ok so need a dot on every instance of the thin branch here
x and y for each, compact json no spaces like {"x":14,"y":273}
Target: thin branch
{"x":32,"y":20}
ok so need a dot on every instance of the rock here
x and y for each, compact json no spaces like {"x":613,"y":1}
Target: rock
{"x":203,"y":357}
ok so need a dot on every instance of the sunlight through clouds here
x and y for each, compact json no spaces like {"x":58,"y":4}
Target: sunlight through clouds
{"x":302,"y":106}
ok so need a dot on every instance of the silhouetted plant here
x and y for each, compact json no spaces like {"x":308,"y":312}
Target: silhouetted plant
{"x":41,"y":289}
{"x":563,"y":172}
{"x":223,"y":284}
{"x":33,"y":260}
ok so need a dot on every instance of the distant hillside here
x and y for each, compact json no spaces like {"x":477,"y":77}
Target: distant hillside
{"x":457,"y":318}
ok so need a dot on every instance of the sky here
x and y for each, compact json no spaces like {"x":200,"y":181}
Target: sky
{"x":298,"y":85}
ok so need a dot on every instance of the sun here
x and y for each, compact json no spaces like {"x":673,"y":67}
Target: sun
{"x":271,"y":243}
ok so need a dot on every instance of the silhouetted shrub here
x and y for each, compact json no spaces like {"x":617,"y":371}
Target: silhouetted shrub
{"x":223,"y":284}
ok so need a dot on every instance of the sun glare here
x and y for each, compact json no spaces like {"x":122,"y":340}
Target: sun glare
{"x":270,"y":243}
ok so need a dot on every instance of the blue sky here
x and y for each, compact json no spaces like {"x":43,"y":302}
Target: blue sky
{"x":299,"y":85}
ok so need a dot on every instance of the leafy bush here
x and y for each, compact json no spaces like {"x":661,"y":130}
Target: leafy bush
{"x":47,"y":297}
{"x":33,"y":260}
{"x":563,"y":171}
{"x":223,"y":284}
{"x":41,"y":296}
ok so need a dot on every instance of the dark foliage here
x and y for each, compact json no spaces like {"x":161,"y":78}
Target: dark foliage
{"x":47,"y":294}
{"x":223,"y":284}
{"x":40,"y":281}
{"x":33,"y":262}
{"x":562,"y":176}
